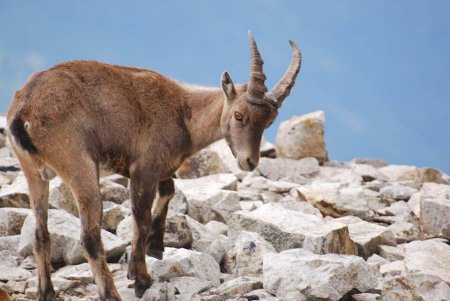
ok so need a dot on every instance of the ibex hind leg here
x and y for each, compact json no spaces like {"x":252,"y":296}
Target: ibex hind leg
{"x":155,"y":244}
{"x":39,"y":190}
{"x":82,"y":177}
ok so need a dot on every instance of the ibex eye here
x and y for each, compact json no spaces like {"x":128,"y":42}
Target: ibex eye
{"x":238,"y":116}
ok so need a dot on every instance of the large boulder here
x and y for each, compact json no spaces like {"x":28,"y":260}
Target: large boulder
{"x":302,"y":136}
{"x":61,"y":197}
{"x":288,"y":229}
{"x":431,"y":257}
{"x":415,"y":287}
{"x":301,"y":275}
{"x":65,"y":230}
{"x":10,"y":269}
{"x":435,"y":208}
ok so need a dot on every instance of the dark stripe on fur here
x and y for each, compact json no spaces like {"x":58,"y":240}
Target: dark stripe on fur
{"x":21,"y":136}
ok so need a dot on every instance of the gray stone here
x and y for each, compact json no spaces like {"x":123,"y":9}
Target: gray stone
{"x":11,"y":220}
{"x":246,"y":255}
{"x":65,"y":231}
{"x":10,"y":269}
{"x":377,"y":163}
{"x":302,"y":136}
{"x":301,"y":275}
{"x":217,"y":227}
{"x":405,"y":231}
{"x":367,"y":236}
{"x":205,"y":205}
{"x":183,"y":262}
{"x":178,"y":204}
{"x":262,"y":183}
{"x":113,"y":192}
{"x":287,"y":229}
{"x":397,"y":173}
{"x":367,"y":173}
{"x":206,"y":241}
{"x":276,"y":169}
{"x":375,"y":261}
{"x":391,"y":253}
{"x":415,"y":287}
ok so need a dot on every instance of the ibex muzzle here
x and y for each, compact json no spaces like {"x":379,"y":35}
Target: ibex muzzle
{"x":79,"y":117}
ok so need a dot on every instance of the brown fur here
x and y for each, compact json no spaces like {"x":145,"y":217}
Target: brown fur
{"x":79,"y":117}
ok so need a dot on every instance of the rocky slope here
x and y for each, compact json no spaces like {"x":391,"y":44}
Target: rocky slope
{"x":299,"y":227}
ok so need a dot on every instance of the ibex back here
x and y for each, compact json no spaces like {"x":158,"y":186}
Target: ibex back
{"x":79,"y":117}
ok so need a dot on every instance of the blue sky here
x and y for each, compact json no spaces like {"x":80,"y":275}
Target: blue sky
{"x":379,"y":69}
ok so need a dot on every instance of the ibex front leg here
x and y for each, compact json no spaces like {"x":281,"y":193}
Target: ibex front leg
{"x":155,"y":244}
{"x":143,"y":192}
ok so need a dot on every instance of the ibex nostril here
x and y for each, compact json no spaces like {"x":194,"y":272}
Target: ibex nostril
{"x":251,"y":164}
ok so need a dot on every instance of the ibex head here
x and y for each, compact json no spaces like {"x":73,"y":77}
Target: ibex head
{"x":250,"y":109}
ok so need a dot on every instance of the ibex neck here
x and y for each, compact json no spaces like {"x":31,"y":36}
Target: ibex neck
{"x":203,"y":109}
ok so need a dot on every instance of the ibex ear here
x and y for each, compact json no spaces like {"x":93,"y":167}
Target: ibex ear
{"x":228,"y":86}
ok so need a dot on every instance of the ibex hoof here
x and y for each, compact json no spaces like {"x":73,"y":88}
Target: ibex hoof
{"x":48,"y":296}
{"x":155,"y":252}
{"x":140,"y":286}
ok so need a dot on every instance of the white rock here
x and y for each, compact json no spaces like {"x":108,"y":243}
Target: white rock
{"x":336,"y":199}
{"x":377,"y":163}
{"x":375,"y":261}
{"x":16,"y":194}
{"x":414,"y":203}
{"x":405,"y":231}
{"x":239,"y":286}
{"x":65,"y":231}
{"x":396,"y":173}
{"x":435,"y":208}
{"x":393,"y":268}
{"x":367,"y":236}
{"x":188,"y":286}
{"x":367,"y":173}
{"x":276,"y":169}
{"x":301,"y":275}
{"x":217,"y":227}
{"x":262,"y":183}
{"x":113,"y":192}
{"x":178,"y":204}
{"x":431,"y":257}
{"x":183,"y":262}
{"x":61,"y":197}
{"x":11,"y":220}
{"x":396,"y":192}
{"x":10,"y":243}
{"x":246,"y":255}
{"x":206,"y":241}
{"x":159,"y":291}
{"x":415,"y":287}
{"x":9,"y":269}
{"x":287,"y":229}
{"x":205,"y":205}
{"x":112,"y":215}
{"x":226,"y":181}
{"x":302,"y":136}
{"x":392,"y":253}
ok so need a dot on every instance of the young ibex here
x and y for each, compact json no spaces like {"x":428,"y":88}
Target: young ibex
{"x":81,"y":116}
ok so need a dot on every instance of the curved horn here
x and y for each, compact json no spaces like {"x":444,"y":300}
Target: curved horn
{"x":256,"y":87}
{"x":284,"y":86}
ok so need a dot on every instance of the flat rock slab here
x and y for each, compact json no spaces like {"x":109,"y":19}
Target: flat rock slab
{"x":431,"y":257}
{"x":226,"y":181}
{"x":301,"y":275}
{"x":65,"y":230}
{"x":287,"y":229}
{"x":276,"y":169}
{"x":435,"y":208}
